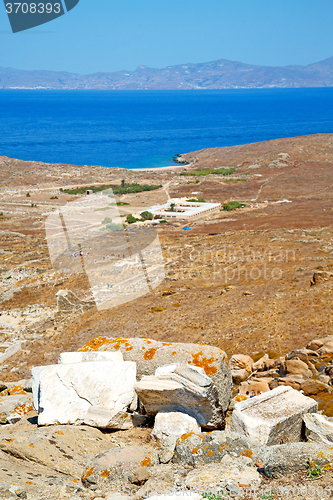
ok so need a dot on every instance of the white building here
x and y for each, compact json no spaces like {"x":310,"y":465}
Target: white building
{"x":180,"y":209}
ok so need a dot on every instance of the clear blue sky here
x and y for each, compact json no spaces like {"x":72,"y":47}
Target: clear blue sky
{"x":109,"y":35}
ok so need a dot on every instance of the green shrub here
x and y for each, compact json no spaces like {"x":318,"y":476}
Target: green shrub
{"x":107,"y":220}
{"x":233,"y":205}
{"x":147,"y":215}
{"x":130,"y":219}
{"x":199,"y":200}
{"x":123,"y":189}
{"x":28,"y":195}
{"x":208,"y":171}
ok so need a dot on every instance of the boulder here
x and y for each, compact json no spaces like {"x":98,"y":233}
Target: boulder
{"x":198,"y":449}
{"x":182,"y":388}
{"x":13,"y":408}
{"x":295,"y":367}
{"x":318,"y":428}
{"x":320,"y":277}
{"x":239,"y":472}
{"x":168,"y":427}
{"x":79,"y":357}
{"x":239,"y":376}
{"x":253,"y":387}
{"x":280,"y":460}
{"x":241,"y":367}
{"x":325,"y":352}
{"x":115,"y":466}
{"x":240,"y":362}
{"x":261,"y":363}
{"x":272,"y":417}
{"x":64,"y":449}
{"x":149,"y":354}
{"x":70,"y":393}
{"x":173,"y":424}
{"x":318,"y":343}
{"x":314,"y":387}
{"x":325,"y":379}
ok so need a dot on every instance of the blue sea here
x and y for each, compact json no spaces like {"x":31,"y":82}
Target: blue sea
{"x":144,"y":129}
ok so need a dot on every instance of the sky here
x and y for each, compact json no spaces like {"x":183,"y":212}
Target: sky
{"x":109,"y":35}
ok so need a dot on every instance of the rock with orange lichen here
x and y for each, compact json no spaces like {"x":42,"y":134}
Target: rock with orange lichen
{"x":149,"y":354}
{"x":115,"y":466}
{"x":238,"y":471}
{"x":14,"y":407}
{"x":207,"y":447}
{"x":182,"y":388}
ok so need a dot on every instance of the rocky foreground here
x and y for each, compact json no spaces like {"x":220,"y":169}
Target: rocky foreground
{"x":134,"y":418}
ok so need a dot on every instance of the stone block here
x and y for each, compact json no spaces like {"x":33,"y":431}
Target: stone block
{"x":182,"y":388}
{"x":70,"y":393}
{"x":79,"y":357}
{"x":149,"y":354}
{"x":272,"y":417}
{"x":318,"y":428}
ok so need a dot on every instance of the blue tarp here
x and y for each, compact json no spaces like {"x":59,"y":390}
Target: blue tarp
{"x":186,"y":228}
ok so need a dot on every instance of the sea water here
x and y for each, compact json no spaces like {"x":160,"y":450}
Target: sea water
{"x":144,"y":129}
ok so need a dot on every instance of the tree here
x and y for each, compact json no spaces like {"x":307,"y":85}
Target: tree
{"x":147,"y":215}
{"x":123,"y":183}
{"x":172,"y":207}
{"x":130,"y":219}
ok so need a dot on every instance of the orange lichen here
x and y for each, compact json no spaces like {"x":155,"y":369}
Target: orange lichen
{"x":105,"y":473}
{"x":166,"y":343}
{"x":173,"y":353}
{"x":149,"y":354}
{"x":328,"y":467}
{"x":60,"y":432}
{"x":31,"y":445}
{"x":146,"y":461}
{"x":185,"y":436}
{"x":210,"y":453}
{"x":129,"y":348}
{"x":29,"y":482}
{"x":18,"y":389}
{"x":113,"y":342}
{"x":195,"y":450}
{"x":87,"y":473}
{"x":247,"y":453}
{"x":205,"y":363}
{"x":22,"y":410}
{"x":240,"y":398}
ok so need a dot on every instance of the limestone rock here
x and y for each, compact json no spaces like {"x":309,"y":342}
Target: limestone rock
{"x":181,"y":388}
{"x":280,"y":460}
{"x":318,"y":428}
{"x":64,"y":393}
{"x":326,"y":351}
{"x":313,"y":387}
{"x":13,"y":408}
{"x":149,"y":354}
{"x":272,"y":417}
{"x":64,"y":449}
{"x":320,"y":277}
{"x":199,"y":449}
{"x":295,"y":367}
{"x":231,"y":470}
{"x":240,"y":362}
{"x":253,"y":387}
{"x":173,"y":424}
{"x":168,"y":427}
{"x":261,"y":363}
{"x":239,"y":376}
{"x":318,"y":343}
{"x":79,"y":357}
{"x":114,"y":466}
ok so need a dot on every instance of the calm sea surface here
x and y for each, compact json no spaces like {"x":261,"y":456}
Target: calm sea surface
{"x":136,"y":129}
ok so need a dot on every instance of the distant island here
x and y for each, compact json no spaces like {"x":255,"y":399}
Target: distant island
{"x":220,"y":74}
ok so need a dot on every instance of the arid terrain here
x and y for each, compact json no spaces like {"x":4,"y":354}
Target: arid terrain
{"x":254,"y":280}
{"x":239,"y":280}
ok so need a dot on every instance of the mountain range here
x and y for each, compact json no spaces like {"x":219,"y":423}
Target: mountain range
{"x":220,"y":74}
